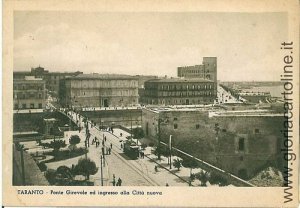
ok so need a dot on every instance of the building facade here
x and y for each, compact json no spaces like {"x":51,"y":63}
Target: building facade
{"x":176,"y":91}
{"x":29,"y":93}
{"x":100,"y":90}
{"x":242,"y":143}
{"x":207,"y":70}
{"x":52,"y":79}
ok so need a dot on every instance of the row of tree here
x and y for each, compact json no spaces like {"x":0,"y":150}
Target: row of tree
{"x":64,"y":175}
{"x":212,"y":177}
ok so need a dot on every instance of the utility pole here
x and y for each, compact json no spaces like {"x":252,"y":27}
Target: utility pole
{"x":158,"y":146}
{"x":170,"y":148}
{"x":130,"y":124}
{"x":101,"y":170}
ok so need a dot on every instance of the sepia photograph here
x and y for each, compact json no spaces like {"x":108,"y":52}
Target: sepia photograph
{"x":202,"y":100}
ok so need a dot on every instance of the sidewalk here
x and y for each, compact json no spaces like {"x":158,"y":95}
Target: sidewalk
{"x":145,"y":166}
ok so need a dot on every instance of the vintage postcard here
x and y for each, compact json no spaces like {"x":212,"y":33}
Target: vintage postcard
{"x":151,"y":103}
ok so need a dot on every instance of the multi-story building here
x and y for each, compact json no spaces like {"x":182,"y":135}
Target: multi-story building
{"x":29,"y":93}
{"x":179,"y":91}
{"x":52,"y":79}
{"x":240,"y":142}
{"x":100,"y":90}
{"x":208,"y":70}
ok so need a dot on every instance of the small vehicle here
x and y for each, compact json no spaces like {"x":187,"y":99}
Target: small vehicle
{"x":131,"y":150}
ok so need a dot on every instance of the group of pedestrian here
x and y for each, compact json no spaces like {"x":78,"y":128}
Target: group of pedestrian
{"x":118,"y":182}
{"x":96,"y":141}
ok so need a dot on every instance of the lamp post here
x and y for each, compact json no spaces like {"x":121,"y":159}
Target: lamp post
{"x":130,"y":124}
{"x":101,"y":170}
{"x":170,"y":148}
{"x":158,"y":146}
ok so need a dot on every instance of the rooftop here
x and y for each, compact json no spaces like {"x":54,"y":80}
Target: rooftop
{"x":102,"y":76}
{"x":215,"y":111}
{"x":172,"y":80}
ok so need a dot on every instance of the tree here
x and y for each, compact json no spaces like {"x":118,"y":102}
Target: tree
{"x":189,"y":163}
{"x":85,"y":167}
{"x":50,"y":176}
{"x":63,"y":176}
{"x":57,"y":144}
{"x":138,"y":133}
{"x":177,"y":163}
{"x":74,"y":140}
{"x":203,"y":177}
{"x":217,"y":178}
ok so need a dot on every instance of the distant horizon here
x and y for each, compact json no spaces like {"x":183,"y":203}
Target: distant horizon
{"x":159,"y":76}
{"x":247,"y":45}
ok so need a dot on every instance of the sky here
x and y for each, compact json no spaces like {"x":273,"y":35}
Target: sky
{"x":247,"y":45}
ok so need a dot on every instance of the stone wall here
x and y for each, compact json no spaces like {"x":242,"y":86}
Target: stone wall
{"x":115,"y":117}
{"x":33,"y":175}
{"x":241,"y":145}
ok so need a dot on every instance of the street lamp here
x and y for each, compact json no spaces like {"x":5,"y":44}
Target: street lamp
{"x":170,"y":148}
{"x":158,"y":146}
{"x":101,"y":170}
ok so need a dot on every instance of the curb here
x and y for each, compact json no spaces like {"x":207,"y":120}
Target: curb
{"x":168,"y":170}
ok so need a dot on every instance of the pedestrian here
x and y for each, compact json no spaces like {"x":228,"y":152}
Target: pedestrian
{"x":109,"y":150}
{"x":105,"y":138}
{"x":121,"y":134}
{"x":114,"y":182}
{"x":110,"y":145}
{"x":167,"y":184}
{"x":119,"y":182}
{"x":103,"y":143}
{"x":121,"y":146}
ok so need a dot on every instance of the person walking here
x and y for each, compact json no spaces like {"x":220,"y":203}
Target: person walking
{"x":119,"y":182}
{"x":110,"y":145}
{"x":114,"y":181}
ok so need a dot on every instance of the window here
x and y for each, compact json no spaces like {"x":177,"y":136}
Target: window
{"x":40,"y":95}
{"x":24,"y":106}
{"x":197,"y":126}
{"x":16,"y":106}
{"x":175,"y":126}
{"x":31,"y":105}
{"x":40,"y":105}
{"x":241,"y":144}
{"x":175,"y":119}
{"x":256,"y":131}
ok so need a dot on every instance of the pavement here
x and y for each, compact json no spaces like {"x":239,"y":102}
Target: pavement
{"x":138,"y":172}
